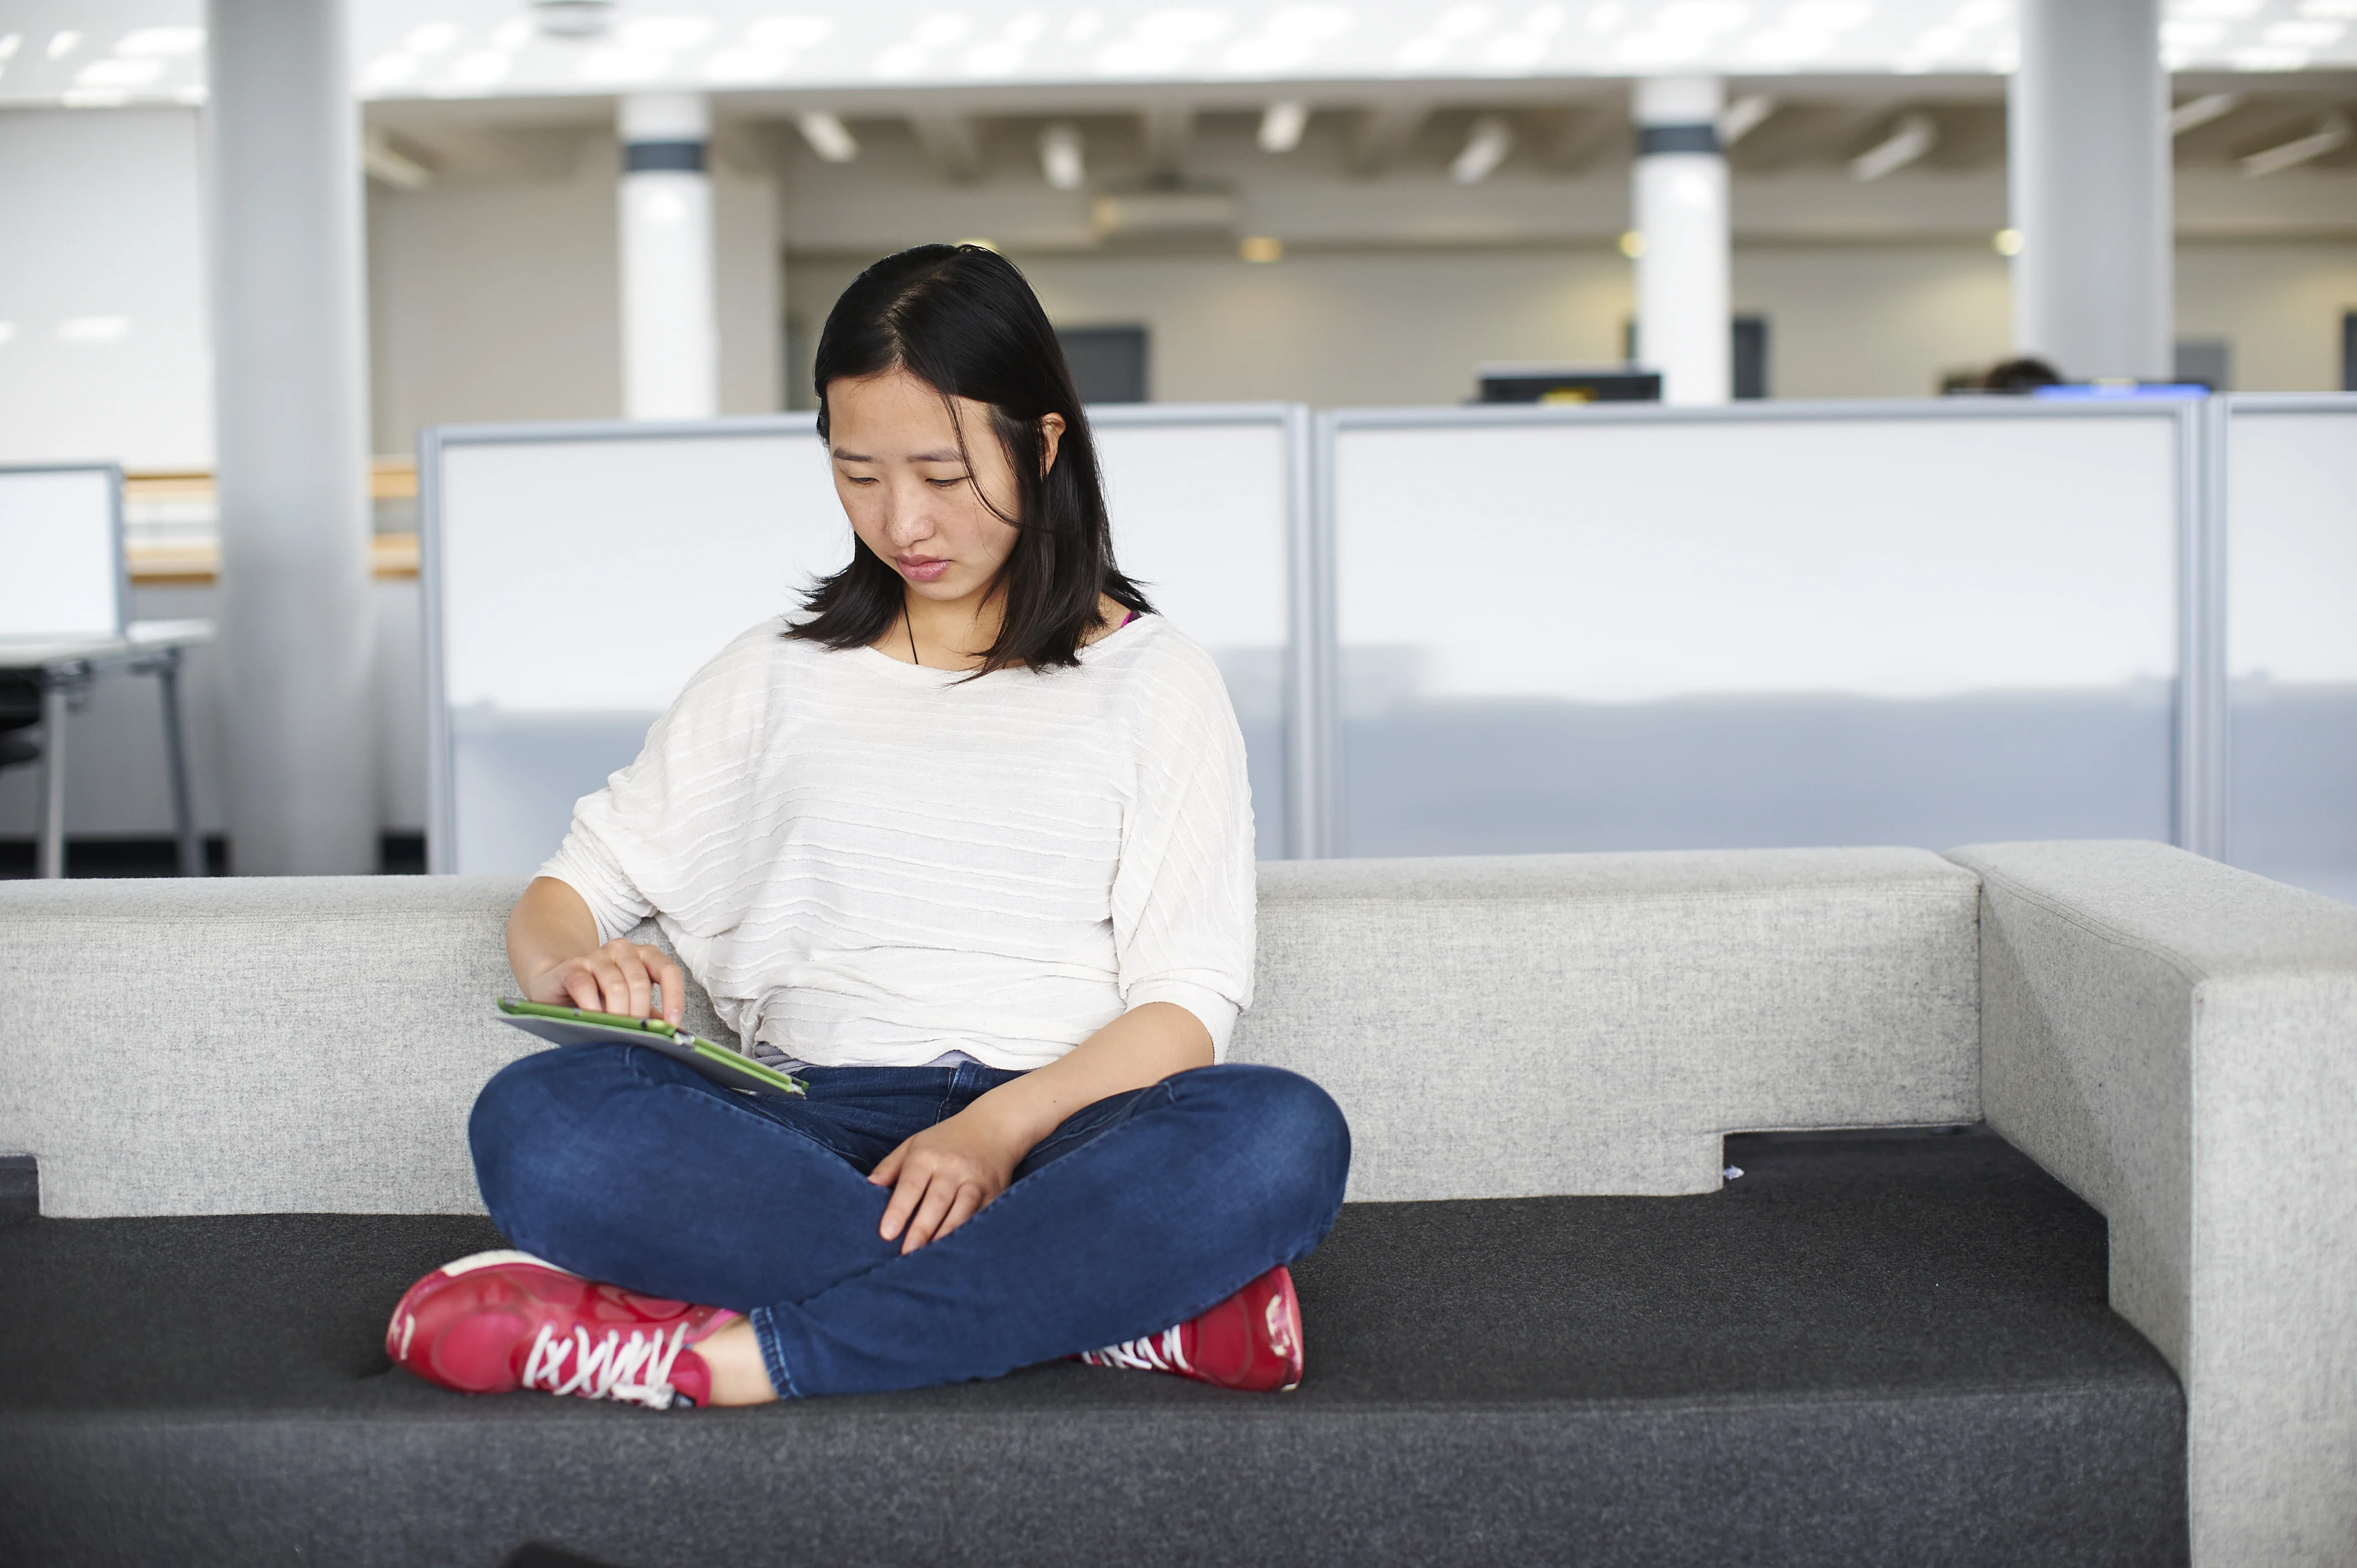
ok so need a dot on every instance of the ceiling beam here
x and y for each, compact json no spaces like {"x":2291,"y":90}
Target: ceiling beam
{"x":1168,"y":127}
{"x":952,"y":144}
{"x":1574,"y":136}
{"x":390,"y":160}
{"x":1914,"y":135}
{"x":2201,"y":111}
{"x":2331,"y":135}
{"x":1743,"y":116}
{"x":1384,"y":132}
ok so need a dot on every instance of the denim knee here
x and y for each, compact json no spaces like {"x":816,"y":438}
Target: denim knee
{"x":1293,"y":1135}
{"x":528,"y":1133}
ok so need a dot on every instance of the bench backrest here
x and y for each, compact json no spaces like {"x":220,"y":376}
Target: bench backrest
{"x":1557,"y":1024}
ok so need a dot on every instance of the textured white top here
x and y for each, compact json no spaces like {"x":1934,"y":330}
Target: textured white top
{"x":872,"y":863}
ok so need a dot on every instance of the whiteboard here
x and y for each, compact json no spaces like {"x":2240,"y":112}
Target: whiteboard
{"x":2290,"y":531}
{"x":1784,"y":624}
{"x":533,"y":533}
{"x":61,"y":535}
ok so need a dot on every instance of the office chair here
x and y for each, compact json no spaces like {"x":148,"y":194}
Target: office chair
{"x":20,"y":708}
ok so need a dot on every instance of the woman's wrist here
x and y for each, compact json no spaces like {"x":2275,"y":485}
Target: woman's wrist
{"x":1015,"y":1116}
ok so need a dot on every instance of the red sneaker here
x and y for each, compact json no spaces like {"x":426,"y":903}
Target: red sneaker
{"x":1251,"y":1340}
{"x":497,"y":1322}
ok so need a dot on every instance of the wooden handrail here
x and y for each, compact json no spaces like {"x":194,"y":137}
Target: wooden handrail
{"x":390,"y":479}
{"x":393,"y":557}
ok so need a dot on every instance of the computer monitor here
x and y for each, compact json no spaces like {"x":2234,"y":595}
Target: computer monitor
{"x":2068,"y":392}
{"x":1544,"y":383}
{"x":62,"y":536}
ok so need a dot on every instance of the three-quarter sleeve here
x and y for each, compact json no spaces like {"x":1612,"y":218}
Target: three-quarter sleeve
{"x":1183,"y":896}
{"x":663,"y":832}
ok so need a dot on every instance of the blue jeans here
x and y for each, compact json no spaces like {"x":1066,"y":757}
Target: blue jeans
{"x":1138,"y":1212}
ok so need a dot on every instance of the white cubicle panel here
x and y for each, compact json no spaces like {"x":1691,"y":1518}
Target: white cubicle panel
{"x":2290,"y":529}
{"x":1204,"y":509}
{"x":1775,"y":625}
{"x":578,"y":574}
{"x":61,"y":535}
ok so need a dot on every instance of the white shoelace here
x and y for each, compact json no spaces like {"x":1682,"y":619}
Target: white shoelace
{"x":637,"y":1371}
{"x":1156,"y":1353}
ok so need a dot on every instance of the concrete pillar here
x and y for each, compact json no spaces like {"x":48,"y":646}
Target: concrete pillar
{"x":290,"y":399}
{"x":1685,"y":328}
{"x":671,"y":336}
{"x":2088,"y":181}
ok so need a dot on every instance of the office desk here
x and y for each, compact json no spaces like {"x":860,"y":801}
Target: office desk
{"x":65,"y":668}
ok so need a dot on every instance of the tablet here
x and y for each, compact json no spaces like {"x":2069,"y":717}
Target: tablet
{"x":724,"y":1065}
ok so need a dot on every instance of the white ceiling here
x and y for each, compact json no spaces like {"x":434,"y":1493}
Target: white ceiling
{"x":96,"y":52}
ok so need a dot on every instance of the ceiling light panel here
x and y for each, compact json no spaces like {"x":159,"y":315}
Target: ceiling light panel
{"x":409,"y":48}
{"x":92,"y":54}
{"x":829,"y":45}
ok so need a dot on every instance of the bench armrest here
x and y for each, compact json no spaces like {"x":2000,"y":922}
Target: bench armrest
{"x":2177,"y":1040}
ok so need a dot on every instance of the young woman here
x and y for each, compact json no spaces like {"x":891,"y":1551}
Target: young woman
{"x":968,"y":848}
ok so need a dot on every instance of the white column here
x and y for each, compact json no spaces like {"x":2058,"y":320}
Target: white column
{"x":290,"y":379}
{"x":1685,"y":328}
{"x":670,"y":336}
{"x":2088,"y":178}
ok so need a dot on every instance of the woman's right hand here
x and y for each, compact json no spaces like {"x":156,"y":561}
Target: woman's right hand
{"x":620,"y":977}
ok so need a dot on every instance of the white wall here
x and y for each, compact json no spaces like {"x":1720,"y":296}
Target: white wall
{"x":101,"y":217}
{"x":1329,"y":331}
{"x":1875,"y":321}
{"x":1855,"y":319}
{"x":2278,"y":302}
{"x":500,"y":299}
{"x":1408,"y":326}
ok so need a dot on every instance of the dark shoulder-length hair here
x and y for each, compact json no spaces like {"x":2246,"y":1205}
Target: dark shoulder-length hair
{"x":962,"y":320}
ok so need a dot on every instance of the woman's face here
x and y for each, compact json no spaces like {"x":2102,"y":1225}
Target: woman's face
{"x":909,"y":494}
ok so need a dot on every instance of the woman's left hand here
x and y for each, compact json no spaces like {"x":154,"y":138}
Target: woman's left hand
{"x":945,"y":1175}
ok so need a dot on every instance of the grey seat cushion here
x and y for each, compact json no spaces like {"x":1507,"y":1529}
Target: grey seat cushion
{"x":1867,"y":1349}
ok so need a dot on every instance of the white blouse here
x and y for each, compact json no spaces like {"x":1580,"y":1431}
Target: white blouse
{"x":873,"y":863}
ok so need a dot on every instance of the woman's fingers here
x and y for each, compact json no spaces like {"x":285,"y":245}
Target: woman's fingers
{"x":622,"y":977}
{"x":908,"y":1188}
{"x":668,"y":975}
{"x":941,"y":1196}
{"x":940,"y":1178}
{"x":623,"y":982}
{"x":581,"y":988}
{"x":616,"y":984}
{"x":635,"y":986}
{"x":673,"y":982}
{"x":969,"y":1202}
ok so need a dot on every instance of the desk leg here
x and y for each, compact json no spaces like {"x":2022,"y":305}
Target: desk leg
{"x":176,"y":760}
{"x":53,"y":776}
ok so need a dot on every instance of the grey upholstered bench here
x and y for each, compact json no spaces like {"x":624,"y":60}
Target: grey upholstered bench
{"x":1547,"y":1327}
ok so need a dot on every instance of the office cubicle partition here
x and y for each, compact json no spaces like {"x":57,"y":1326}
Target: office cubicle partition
{"x":61,"y":535}
{"x":1513,"y":628}
{"x":1210,"y":515}
{"x":575,"y":575}
{"x":1646,"y":627}
{"x":2286,"y":488}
